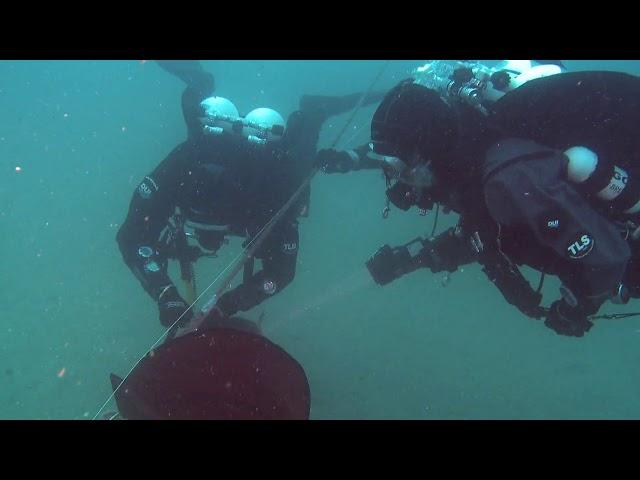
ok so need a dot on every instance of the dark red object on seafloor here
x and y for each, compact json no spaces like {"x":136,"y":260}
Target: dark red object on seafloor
{"x":220,"y":373}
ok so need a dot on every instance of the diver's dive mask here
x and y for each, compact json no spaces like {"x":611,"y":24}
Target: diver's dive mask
{"x":408,"y":185}
{"x":414,"y":171}
{"x":420,"y":176}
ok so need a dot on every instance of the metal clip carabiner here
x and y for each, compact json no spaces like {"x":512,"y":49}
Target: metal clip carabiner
{"x":386,"y":209}
{"x":476,"y":242}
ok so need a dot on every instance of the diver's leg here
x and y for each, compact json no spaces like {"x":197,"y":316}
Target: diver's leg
{"x":190,"y":72}
{"x":200,"y":85}
{"x":191,"y":111}
{"x":328,"y":106}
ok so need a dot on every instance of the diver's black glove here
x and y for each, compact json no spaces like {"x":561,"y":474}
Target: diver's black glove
{"x":172,"y":306}
{"x":227,"y":304}
{"x":214,"y":318}
{"x":333,"y":161}
{"x":565,"y":320}
{"x":388,"y":264}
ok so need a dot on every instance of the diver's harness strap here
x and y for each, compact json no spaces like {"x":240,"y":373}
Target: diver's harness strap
{"x":173,"y":244}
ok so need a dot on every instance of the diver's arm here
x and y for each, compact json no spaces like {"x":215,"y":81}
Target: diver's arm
{"x":343,"y":161}
{"x":305,"y":124}
{"x":327,"y":106}
{"x":279,"y":256}
{"x":152,"y":204}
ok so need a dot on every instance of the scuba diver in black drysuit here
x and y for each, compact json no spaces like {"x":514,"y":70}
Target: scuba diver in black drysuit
{"x":229,"y":177}
{"x":546,"y":176}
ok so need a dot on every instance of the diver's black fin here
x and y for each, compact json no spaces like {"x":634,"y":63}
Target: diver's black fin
{"x":552,"y":62}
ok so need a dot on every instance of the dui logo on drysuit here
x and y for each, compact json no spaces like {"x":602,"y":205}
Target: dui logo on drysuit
{"x":147,"y":188}
{"x":581,"y":247}
{"x":552,"y":223}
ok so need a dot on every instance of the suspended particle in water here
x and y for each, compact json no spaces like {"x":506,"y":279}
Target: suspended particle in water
{"x":18,"y":169}
{"x":62,"y":371}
